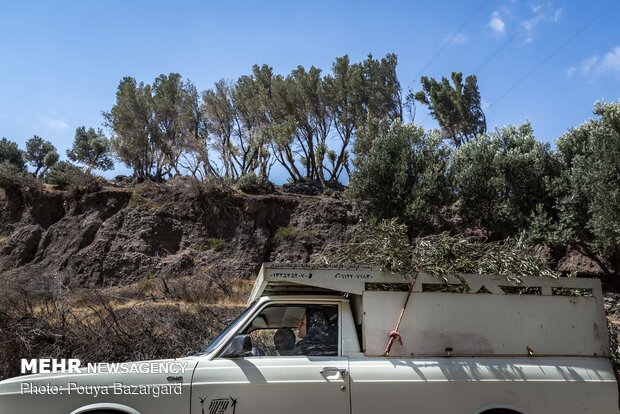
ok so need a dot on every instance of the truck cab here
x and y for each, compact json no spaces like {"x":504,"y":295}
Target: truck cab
{"x":470,"y":344}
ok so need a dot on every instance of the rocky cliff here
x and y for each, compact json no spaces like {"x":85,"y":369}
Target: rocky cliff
{"x":120,"y":236}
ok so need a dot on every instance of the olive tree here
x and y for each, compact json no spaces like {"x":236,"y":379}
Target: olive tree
{"x":587,"y":214}
{"x":91,"y":148}
{"x":404,"y":175}
{"x":11,"y":154}
{"x":457,"y":107}
{"x":500,"y":179}
{"x":40,"y":154}
{"x":153,"y":124}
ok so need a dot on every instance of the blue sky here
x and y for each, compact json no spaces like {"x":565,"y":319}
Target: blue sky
{"x":61,"y":61}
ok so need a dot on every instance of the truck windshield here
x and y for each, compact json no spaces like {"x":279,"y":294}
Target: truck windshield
{"x":216,"y":341}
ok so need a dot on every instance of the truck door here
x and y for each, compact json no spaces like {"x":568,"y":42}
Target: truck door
{"x":287,"y":367}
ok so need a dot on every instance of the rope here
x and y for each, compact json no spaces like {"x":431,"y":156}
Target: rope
{"x":395,"y":334}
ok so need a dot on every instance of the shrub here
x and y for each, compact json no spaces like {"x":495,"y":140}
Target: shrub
{"x":212,"y":244}
{"x":61,"y":174}
{"x":12,"y":178}
{"x":84,"y":183}
{"x":285,"y":232}
{"x":123,"y":180}
{"x":501,"y":178}
{"x":404,"y":175}
{"x":251,"y":184}
{"x":66,"y":176}
{"x":41,"y":328}
{"x":11,"y":154}
{"x":9,"y":176}
{"x":586,"y":215}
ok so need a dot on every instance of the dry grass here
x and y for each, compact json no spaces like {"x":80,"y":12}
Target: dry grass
{"x":139,"y":200}
{"x":123,"y":330}
{"x":205,"y":289}
{"x":154,"y":318}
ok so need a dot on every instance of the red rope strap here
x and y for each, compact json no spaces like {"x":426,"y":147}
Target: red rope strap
{"x":394,"y":335}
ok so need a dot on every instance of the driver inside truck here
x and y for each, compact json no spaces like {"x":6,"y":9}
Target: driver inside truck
{"x":318,"y":336}
{"x":284,"y":341}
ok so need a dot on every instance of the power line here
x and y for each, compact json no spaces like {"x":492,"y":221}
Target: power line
{"x":477,"y":10}
{"x":452,"y":37}
{"x":552,"y":54}
{"x":522,"y":27}
{"x":449,"y":41}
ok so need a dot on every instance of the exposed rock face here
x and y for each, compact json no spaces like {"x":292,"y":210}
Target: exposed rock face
{"x":119,"y":236}
{"x":21,"y":247}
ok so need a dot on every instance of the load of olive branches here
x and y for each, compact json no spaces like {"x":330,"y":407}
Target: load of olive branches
{"x":386,"y":244}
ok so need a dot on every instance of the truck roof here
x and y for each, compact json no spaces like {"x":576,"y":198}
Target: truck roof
{"x":322,"y":279}
{"x":309,"y":278}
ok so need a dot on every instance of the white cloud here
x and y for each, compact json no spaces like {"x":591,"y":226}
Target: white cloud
{"x":611,"y":61}
{"x":529,"y":26}
{"x":54,"y":123}
{"x":459,"y":39}
{"x":539,"y":14}
{"x":595,"y":66}
{"x":497,"y":24}
{"x":588,"y":65}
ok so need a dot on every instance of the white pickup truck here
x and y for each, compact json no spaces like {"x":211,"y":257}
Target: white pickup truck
{"x":358,"y":340}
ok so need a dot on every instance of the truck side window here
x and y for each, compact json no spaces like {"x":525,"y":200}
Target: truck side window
{"x":289,"y":330}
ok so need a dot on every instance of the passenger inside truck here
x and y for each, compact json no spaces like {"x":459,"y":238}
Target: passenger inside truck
{"x":295,"y":330}
{"x":284,"y":341}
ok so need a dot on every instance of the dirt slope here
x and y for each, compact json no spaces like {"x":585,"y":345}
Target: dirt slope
{"x":119,"y":236}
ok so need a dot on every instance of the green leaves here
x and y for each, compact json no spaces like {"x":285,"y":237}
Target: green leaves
{"x":91,"y":148}
{"x":131,"y":119}
{"x":234,"y":129}
{"x":503,"y":184}
{"x":38,"y":151}
{"x":404,"y":175}
{"x":11,"y":154}
{"x":501,"y":178}
{"x":154,"y":124}
{"x":360,"y":96}
{"x":382,"y":243}
{"x":385,"y":243}
{"x":587,"y":213}
{"x":62,"y":174}
{"x":457,"y":108}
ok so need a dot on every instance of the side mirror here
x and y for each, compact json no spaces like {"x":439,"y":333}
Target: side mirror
{"x":239,"y":346}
